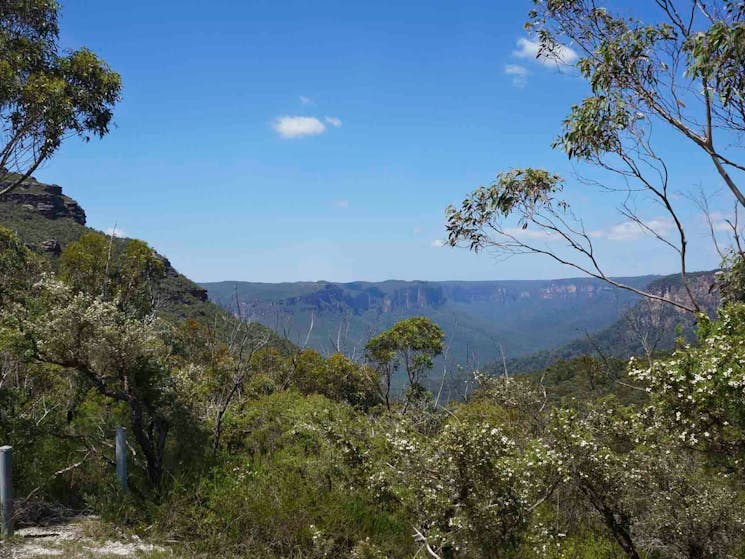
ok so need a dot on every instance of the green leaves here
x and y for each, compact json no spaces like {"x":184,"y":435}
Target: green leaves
{"x":594,"y":127}
{"x":412,"y":344}
{"x":125,"y":271}
{"x":519,"y":192}
{"x":701,"y":387}
{"x":45,"y":94}
{"x":19,"y":268}
{"x":717,"y":57}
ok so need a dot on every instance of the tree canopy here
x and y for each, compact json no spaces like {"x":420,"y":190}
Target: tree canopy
{"x":46,"y":94}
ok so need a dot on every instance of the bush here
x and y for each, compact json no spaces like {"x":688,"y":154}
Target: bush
{"x":295,"y":486}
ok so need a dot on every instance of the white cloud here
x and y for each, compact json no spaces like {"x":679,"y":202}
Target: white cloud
{"x":535,"y":234}
{"x":633,"y":231}
{"x":526,"y":48}
{"x":116,"y":232}
{"x":333,"y":121}
{"x":298,"y":126}
{"x":438,"y":243}
{"x":306,"y":100}
{"x":519,"y":74}
{"x":341,"y":203}
{"x":417,"y":230}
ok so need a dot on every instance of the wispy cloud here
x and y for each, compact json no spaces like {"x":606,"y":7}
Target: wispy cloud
{"x":633,"y":231}
{"x":528,"y":49}
{"x":438,"y":243}
{"x":518,"y":73}
{"x":341,"y":203}
{"x":533,"y":234}
{"x":298,"y":126}
{"x":306,"y":100}
{"x":719,"y":221}
{"x":333,"y":121}
{"x":116,"y":232}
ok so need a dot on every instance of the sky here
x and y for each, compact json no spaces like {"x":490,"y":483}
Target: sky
{"x":291,"y":140}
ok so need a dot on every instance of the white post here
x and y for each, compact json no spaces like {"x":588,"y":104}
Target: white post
{"x":121,"y":457}
{"x":6,"y":490}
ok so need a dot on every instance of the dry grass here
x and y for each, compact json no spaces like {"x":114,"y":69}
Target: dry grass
{"x":81,"y":538}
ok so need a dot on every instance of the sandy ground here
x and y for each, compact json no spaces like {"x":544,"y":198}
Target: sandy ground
{"x":75,"y":540}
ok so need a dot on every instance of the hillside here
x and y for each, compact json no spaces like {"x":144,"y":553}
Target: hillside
{"x":645,"y":327}
{"x":481,"y":318}
{"x":47,"y":220}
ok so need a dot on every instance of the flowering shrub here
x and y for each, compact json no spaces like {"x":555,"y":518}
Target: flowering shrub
{"x":702,"y":387}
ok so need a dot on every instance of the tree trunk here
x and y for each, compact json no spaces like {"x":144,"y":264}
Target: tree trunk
{"x":152,"y":441}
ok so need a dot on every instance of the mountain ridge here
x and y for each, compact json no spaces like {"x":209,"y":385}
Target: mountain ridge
{"x":481,"y":318}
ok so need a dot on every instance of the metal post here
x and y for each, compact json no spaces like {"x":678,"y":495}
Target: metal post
{"x":121,"y":457}
{"x":6,"y":489}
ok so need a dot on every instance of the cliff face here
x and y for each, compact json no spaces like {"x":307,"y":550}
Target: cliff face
{"x":45,"y":199}
{"x":361,"y":298}
{"x":395,"y":297}
{"x":702,"y":286}
{"x":648,"y":326}
{"x":480,"y":318}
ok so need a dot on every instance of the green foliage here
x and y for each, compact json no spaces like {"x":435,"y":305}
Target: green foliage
{"x":46,"y":94}
{"x":460,"y":488}
{"x":587,"y":378}
{"x":715,"y":57}
{"x":294,"y":487}
{"x":410,"y":344}
{"x":84,"y":263}
{"x":127,"y":273}
{"x":650,"y":492}
{"x":731,"y":279}
{"x":337,"y":377}
{"x":681,"y":69}
{"x":18,"y":267}
{"x":519,"y":191}
{"x":701,"y":386}
{"x":594,"y":127}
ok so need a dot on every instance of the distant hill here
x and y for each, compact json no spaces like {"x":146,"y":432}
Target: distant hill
{"x":481,"y":318}
{"x":648,"y":326}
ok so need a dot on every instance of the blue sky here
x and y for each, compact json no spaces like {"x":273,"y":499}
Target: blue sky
{"x":404,"y":108}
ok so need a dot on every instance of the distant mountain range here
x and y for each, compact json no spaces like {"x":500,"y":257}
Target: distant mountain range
{"x":482,"y":319}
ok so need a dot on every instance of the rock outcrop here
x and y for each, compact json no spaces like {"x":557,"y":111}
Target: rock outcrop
{"x":51,"y":246}
{"x":46,"y":199}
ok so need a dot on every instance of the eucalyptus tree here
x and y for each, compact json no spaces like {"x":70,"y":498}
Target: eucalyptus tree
{"x":410,"y":344}
{"x":46,"y":94}
{"x":682,"y":70}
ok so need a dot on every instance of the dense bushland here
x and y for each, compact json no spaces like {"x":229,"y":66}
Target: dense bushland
{"x":245,"y":447}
